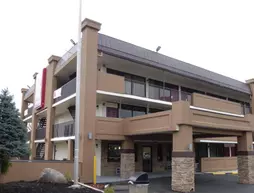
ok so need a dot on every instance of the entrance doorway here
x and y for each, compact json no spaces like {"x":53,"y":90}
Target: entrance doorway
{"x":147,"y":158}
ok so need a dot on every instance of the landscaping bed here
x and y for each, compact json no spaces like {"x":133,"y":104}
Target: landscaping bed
{"x":35,"y":187}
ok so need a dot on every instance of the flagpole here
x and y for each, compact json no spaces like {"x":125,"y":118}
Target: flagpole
{"x":77,"y":112}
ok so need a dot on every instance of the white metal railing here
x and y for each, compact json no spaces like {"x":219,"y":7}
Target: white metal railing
{"x":66,"y":57}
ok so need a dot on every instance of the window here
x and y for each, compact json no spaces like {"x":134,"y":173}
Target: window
{"x":136,"y":152}
{"x":216,"y":150}
{"x":159,"y":153}
{"x":112,"y":112}
{"x":166,"y":92}
{"x":134,"y":85}
{"x":131,"y":111}
{"x":126,"y":111}
{"x":114,"y":152}
{"x":155,"y":89}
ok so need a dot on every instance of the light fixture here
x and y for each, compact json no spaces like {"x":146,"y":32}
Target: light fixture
{"x":158,"y":48}
{"x":72,"y":41}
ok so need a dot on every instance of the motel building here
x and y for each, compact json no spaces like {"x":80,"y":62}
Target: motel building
{"x":139,"y":111}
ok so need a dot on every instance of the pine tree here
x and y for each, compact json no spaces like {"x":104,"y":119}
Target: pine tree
{"x":13,"y":134}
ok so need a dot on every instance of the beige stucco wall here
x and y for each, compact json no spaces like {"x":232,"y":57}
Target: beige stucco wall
{"x":214,"y":164}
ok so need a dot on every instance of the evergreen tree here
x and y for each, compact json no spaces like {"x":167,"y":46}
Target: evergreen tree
{"x":13,"y":134}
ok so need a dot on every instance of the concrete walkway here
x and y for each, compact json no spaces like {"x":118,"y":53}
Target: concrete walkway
{"x":117,"y":179}
{"x":205,"y":183}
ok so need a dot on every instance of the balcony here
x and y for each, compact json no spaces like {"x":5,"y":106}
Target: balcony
{"x":110,"y":83}
{"x":63,"y":129}
{"x":66,"y":58}
{"x":106,"y":82}
{"x":150,"y":123}
{"x":28,"y":96}
{"x":204,"y":101}
{"x":40,"y":133}
{"x":66,"y":90}
{"x":28,"y":112}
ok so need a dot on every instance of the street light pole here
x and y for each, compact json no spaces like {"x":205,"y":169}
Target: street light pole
{"x":77,"y":112}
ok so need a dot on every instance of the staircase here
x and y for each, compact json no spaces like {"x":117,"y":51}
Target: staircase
{"x":40,"y":151}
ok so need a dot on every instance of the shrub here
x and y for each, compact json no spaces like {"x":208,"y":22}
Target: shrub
{"x":67,"y":176}
{"x":109,"y":189}
{"x":5,"y":165}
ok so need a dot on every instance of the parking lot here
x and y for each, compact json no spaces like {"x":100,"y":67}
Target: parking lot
{"x":205,"y":183}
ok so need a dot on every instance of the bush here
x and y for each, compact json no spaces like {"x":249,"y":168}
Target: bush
{"x":67,"y":176}
{"x":5,"y":165}
{"x":109,"y":189}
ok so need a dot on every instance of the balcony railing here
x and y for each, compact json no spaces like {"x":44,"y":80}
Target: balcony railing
{"x":63,"y":129}
{"x":29,"y":92}
{"x":66,"y":90}
{"x":40,"y":133}
{"x":66,"y":57}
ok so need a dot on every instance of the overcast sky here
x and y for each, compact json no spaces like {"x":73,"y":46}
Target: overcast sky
{"x":216,"y":35}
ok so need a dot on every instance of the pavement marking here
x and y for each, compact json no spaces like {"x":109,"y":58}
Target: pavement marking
{"x":223,"y":173}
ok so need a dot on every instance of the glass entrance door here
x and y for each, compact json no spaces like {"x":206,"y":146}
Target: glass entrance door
{"x":147,"y":159}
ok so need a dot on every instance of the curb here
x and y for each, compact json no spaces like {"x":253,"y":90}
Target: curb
{"x":223,"y":173}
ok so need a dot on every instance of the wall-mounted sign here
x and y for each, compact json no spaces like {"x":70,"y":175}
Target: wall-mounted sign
{"x":40,"y":89}
{"x":57,"y":93}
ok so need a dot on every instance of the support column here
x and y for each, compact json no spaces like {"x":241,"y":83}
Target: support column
{"x":50,"y":88}
{"x":250,"y":82}
{"x":88,"y":78}
{"x":24,"y":104}
{"x":127,"y":168}
{"x":245,"y":158}
{"x":34,"y":127}
{"x":183,"y":160}
{"x":70,"y":149}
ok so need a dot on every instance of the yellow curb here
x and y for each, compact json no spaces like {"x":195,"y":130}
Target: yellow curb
{"x":218,"y":173}
{"x":234,"y":173}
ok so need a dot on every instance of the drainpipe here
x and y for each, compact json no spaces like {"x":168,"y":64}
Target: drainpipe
{"x":180,"y":93}
{"x":147,"y":87}
{"x":208,"y":150}
{"x":230,"y":152}
{"x":119,"y":109}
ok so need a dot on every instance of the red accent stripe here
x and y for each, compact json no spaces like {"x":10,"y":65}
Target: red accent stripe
{"x":43,"y":87}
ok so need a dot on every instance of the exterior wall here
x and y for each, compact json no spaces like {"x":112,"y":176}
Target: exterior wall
{"x":60,"y":150}
{"x":149,"y":123}
{"x":100,"y":110}
{"x":109,"y":168}
{"x":19,"y":169}
{"x":214,"y":164}
{"x":98,"y":152}
{"x":64,"y":117}
{"x":110,"y":83}
{"x":205,"y":101}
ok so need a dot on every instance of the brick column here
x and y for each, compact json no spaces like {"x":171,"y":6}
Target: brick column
{"x":245,"y":158}
{"x":88,"y":78}
{"x":50,"y":88}
{"x":34,"y":127}
{"x":70,"y":149}
{"x":24,"y":104}
{"x":250,"y":82}
{"x":127,"y":168}
{"x":183,"y":160}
